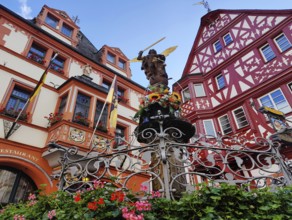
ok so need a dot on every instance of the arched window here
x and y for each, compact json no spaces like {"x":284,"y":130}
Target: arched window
{"x":14,"y":185}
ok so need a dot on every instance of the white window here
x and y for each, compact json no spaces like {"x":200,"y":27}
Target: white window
{"x":209,"y":127}
{"x":199,"y":90}
{"x":227,"y":39}
{"x":240,"y":117}
{"x":267,"y":52}
{"x":225,"y":124}
{"x":186,"y":95}
{"x":276,"y":100}
{"x":282,"y":42}
{"x":220,"y":81}
{"x":217,"y":46}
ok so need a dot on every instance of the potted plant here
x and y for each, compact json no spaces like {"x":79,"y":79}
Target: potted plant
{"x":53,"y":118}
{"x":11,"y":112}
{"x":81,"y":119}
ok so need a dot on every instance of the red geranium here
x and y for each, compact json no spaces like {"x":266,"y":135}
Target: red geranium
{"x":92,"y":205}
{"x":100,"y":201}
{"x":118,"y":196}
{"x":77,"y":198}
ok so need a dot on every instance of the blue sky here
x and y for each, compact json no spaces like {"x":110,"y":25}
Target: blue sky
{"x":132,"y":25}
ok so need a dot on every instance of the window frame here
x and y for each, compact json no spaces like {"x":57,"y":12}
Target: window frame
{"x":37,"y":53}
{"x":267,"y":59}
{"x":227,"y":43}
{"x":63,"y":104}
{"x":65,"y":27}
{"x":199,"y":93}
{"x":52,"y":19}
{"x":217,"y":81}
{"x":278,"y":45}
{"x":215,"y":47}
{"x":213,"y":127}
{"x":56,"y":65}
{"x":84,"y":118}
{"x":15,"y":186}
{"x":239,"y":126}
{"x":122,"y":64}
{"x":112,"y":56}
{"x":106,"y":84}
{"x":226,"y":119}
{"x":102,"y":125}
{"x":288,"y":106}
{"x":182,"y":94}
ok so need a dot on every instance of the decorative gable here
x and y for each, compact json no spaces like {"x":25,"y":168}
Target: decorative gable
{"x":210,"y":48}
{"x":59,"y":24}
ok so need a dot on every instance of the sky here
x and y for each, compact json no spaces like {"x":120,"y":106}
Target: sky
{"x":133,"y":25}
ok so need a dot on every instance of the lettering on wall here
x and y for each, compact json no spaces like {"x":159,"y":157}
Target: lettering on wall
{"x":19,"y":153}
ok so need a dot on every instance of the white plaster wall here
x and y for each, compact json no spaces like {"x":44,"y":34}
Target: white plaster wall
{"x":117,"y":70}
{"x":134,"y":99}
{"x":75,"y":69}
{"x":126,"y":112}
{"x":30,"y":136}
{"x":16,"y":40}
{"x":45,"y":104}
{"x":4,"y":80}
{"x":55,"y":34}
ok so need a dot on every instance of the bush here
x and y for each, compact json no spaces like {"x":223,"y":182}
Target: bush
{"x":107,"y":202}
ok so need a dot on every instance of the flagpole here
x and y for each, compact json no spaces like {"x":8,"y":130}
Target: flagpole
{"x":102,"y":111}
{"x":28,"y":100}
{"x":97,"y":123}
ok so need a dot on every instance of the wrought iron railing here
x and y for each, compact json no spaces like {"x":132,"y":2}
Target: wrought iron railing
{"x":172,"y":167}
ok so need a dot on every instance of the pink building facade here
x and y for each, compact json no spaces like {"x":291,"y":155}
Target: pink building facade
{"x":240,"y":61}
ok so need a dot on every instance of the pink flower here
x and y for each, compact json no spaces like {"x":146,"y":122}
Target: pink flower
{"x":51,"y":214}
{"x":18,"y":217}
{"x":98,"y":184}
{"x":156,"y":194}
{"x":31,"y":196}
{"x":143,"y":188}
{"x":143,"y":205}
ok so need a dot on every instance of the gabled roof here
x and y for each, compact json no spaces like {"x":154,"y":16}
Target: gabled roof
{"x":117,"y":50}
{"x":209,"y":20}
{"x":62,"y":14}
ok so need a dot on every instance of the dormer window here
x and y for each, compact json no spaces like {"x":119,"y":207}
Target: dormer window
{"x":122,"y":64}
{"x":111,"y":58}
{"x":67,"y":30}
{"x":52,"y":21}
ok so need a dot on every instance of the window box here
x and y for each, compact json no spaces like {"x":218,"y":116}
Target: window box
{"x":102,"y":128}
{"x":37,"y":59}
{"x":11,"y":112}
{"x":80,"y":119}
{"x":53,"y":118}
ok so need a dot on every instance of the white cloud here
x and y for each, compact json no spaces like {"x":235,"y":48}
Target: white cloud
{"x":25,"y":9}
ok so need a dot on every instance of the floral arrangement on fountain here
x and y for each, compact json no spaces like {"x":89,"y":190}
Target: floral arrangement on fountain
{"x":161,"y":95}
